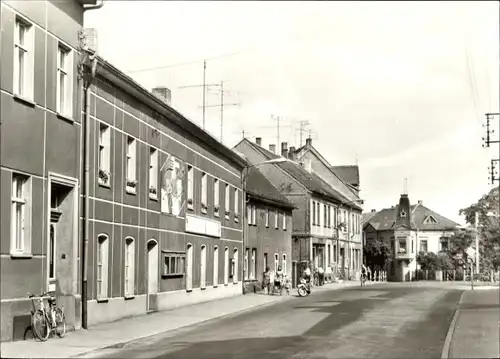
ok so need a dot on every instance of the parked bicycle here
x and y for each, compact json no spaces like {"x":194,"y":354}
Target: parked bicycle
{"x":47,"y":319}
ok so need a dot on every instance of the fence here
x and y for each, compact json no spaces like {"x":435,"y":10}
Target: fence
{"x":450,"y":275}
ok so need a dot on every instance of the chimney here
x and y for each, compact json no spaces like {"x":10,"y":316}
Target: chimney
{"x":291,"y":153}
{"x":420,"y":202}
{"x":272,"y":148}
{"x":163,"y":94}
{"x":374,"y":210}
{"x":309,"y":141}
{"x":258,"y":140}
{"x":284,"y":149}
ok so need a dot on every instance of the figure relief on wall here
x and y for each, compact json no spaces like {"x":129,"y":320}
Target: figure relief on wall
{"x":172,"y":187}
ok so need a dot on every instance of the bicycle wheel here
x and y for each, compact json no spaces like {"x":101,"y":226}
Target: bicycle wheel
{"x":41,"y":326}
{"x":60,"y":323}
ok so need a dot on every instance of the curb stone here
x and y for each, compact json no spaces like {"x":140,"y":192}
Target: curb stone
{"x":451,"y":330}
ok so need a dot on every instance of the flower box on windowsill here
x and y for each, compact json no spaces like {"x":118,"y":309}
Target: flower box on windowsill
{"x":104,"y":178}
{"x":190,"y":204}
{"x":216,"y":211}
{"x":204,"y":208}
{"x":153,"y":194}
{"x":227,"y":215}
{"x":131,"y":186}
{"x":237,"y":217}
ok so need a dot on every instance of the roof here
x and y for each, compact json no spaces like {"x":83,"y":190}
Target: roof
{"x":260,"y":188}
{"x":311,"y":181}
{"x":367,"y":216}
{"x":386,"y":219}
{"x":167,"y":113}
{"x":349,"y":174}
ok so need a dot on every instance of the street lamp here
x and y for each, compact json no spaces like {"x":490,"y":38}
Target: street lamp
{"x":244,"y":176}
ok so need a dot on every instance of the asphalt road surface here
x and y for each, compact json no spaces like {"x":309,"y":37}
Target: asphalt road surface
{"x":383,"y":321}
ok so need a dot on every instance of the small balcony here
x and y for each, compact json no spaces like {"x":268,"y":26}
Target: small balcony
{"x":402,"y":250}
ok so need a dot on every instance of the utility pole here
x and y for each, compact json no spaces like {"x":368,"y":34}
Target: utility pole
{"x":493,"y":171}
{"x":221,"y":105}
{"x":487,"y":141}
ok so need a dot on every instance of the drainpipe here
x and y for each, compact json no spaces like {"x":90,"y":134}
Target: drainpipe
{"x":86,"y":88}
{"x":244,"y":217}
{"x":86,"y":227}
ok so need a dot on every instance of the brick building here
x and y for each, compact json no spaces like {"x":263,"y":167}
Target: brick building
{"x":269,"y":230}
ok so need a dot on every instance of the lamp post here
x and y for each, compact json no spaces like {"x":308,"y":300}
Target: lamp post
{"x":244,"y":210}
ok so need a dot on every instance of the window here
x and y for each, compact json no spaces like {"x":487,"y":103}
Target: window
{"x":325,"y":216}
{"x":253,"y":271}
{"x":216,"y":198}
{"x":236,"y":206}
{"x":249,"y":214}
{"x":314,"y":213}
{"x":335,"y":216}
{"x":402,"y":245}
{"x":226,"y":202}
{"x":276,"y":262}
{"x":276,"y":215}
{"x":102,"y":266}
{"x":254,"y":215}
{"x":216,"y":267}
{"x":284,"y":264}
{"x":20,"y":215}
{"x":174,"y":263}
{"x":234,"y":269}
{"x":203,"y":267}
{"x":153,"y":173}
{"x":52,"y":252}
{"x":246,"y":264}
{"x":267,"y":217}
{"x":204,"y":205}
{"x":104,"y":155}
{"x":129,"y":267}
{"x":430,"y":220}
{"x":423,"y":246}
{"x":329,"y":224}
{"x":226,"y":266}
{"x":443,"y":244}
{"x":266,"y":263}
{"x":284,"y":221}
{"x":318,"y":216}
{"x":64,"y":84}
{"x":131,"y":162}
{"x":23,"y":59}
{"x":190,"y":189}
{"x":412,"y":246}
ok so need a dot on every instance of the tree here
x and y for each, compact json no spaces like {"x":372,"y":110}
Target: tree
{"x":377,"y":253}
{"x":487,"y":209}
{"x":427,"y":261}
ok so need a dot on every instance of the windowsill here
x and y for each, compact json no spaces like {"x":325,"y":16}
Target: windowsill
{"x":216,"y":214}
{"x":131,"y":191}
{"x":102,"y":300}
{"x":103,"y":184}
{"x":204,"y":211}
{"x":153,"y":197}
{"x":24,"y":100}
{"x":21,"y":255}
{"x":226,"y":217}
{"x":178,"y":275}
{"x":129,"y":297}
{"x":65,"y":117}
{"x":190,"y":206}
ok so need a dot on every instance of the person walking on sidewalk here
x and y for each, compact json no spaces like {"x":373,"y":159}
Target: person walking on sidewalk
{"x":266,"y":282}
{"x":321,"y":276}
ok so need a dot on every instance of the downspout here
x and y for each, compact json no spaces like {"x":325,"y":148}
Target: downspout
{"x":244,"y":217}
{"x":86,"y":87}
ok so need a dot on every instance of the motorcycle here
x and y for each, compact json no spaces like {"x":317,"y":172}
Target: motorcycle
{"x":304,"y":288}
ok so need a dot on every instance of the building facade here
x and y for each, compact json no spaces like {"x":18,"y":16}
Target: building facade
{"x":269,"y":231}
{"x":408,"y":229}
{"x":40,"y":132}
{"x":345,"y":179}
{"x":165,"y":205}
{"x":320,"y":220}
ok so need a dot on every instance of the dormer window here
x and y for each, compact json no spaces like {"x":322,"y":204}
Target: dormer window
{"x":430,"y":220}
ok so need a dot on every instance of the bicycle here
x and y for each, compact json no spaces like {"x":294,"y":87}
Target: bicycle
{"x":47,"y":321}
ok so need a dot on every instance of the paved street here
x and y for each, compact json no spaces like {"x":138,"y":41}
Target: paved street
{"x":383,"y":321}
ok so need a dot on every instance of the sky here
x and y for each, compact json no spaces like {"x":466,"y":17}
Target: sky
{"x":400,"y":88}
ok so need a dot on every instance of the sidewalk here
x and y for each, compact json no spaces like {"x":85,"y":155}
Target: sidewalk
{"x":476,"y":332}
{"x":129,"y":329}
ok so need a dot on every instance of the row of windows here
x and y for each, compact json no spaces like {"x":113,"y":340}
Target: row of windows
{"x":24,"y":68}
{"x":174,"y":264}
{"x":252,"y":217}
{"x":131,"y":180}
{"x":251,"y":263}
{"x":333,"y":217}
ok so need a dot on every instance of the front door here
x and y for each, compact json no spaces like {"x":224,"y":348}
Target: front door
{"x":152,"y":275}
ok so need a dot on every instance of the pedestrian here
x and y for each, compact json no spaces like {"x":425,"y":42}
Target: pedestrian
{"x":321,"y":276}
{"x":266,"y":282}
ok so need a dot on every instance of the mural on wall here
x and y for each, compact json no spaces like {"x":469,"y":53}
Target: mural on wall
{"x":172,"y":186}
